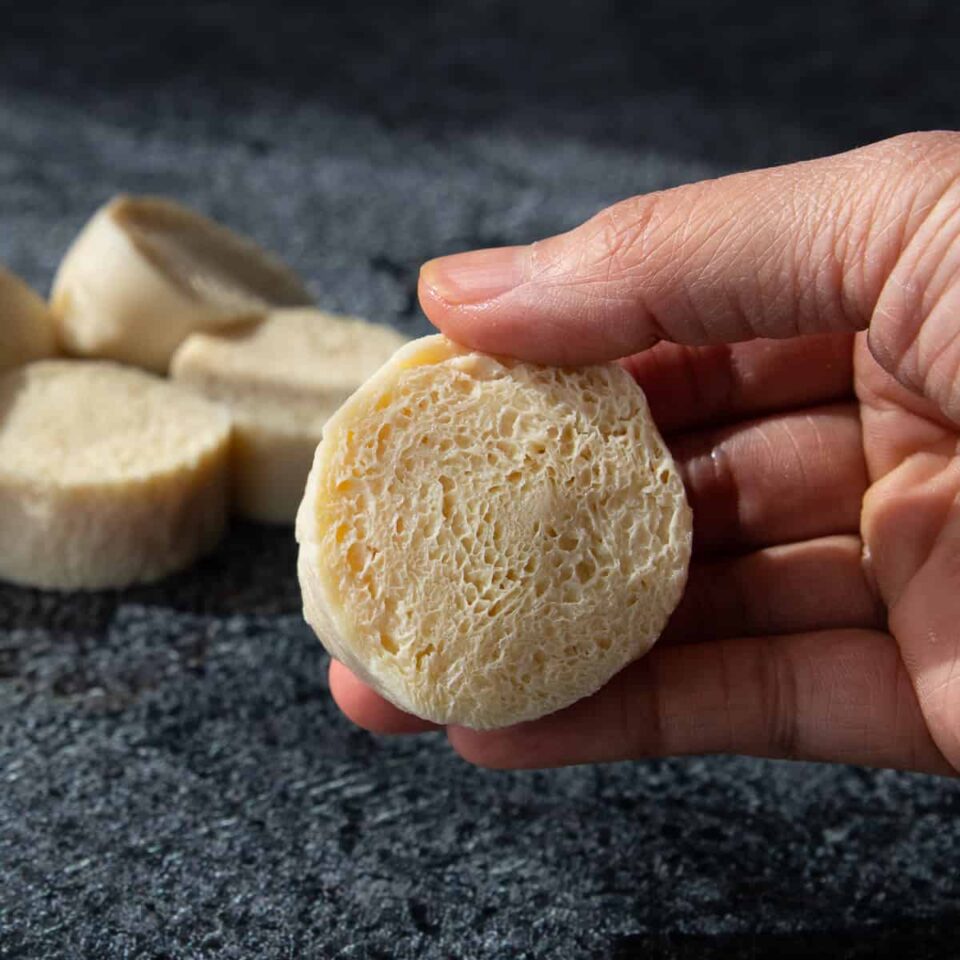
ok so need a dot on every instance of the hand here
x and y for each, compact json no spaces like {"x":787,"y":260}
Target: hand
{"x":797,"y":331}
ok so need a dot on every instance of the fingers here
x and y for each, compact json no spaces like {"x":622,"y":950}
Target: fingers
{"x":368,"y":709}
{"x":840,"y":696}
{"x":782,"y":479}
{"x":772,"y":253}
{"x":695,"y":387}
{"x":803,"y":586}
{"x":799,"y":587}
{"x":739,"y":481}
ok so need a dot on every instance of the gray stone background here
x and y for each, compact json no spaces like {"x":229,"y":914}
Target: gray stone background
{"x":174,"y":780}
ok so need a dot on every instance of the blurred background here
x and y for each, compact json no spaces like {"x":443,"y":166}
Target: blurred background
{"x":176,"y":781}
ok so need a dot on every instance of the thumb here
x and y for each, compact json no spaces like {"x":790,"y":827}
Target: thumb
{"x":804,"y":248}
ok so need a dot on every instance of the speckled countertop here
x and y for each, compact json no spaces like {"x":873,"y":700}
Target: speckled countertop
{"x":174,"y":780}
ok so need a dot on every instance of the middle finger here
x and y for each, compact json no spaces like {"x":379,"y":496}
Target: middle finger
{"x":794,"y":588}
{"x":780,"y":479}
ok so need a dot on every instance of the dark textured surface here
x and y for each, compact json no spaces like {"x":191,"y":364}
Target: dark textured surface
{"x":175,"y":780}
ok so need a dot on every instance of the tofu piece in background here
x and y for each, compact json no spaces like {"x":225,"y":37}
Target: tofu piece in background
{"x":281,"y":378}
{"x":145,"y":273}
{"x":27,"y":330}
{"x":108,"y":475}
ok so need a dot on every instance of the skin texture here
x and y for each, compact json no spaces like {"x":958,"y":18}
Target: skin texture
{"x":797,"y":331}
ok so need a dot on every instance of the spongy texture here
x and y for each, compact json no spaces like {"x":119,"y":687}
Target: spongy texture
{"x":26,"y":326}
{"x":176,"y":781}
{"x":282,"y":378}
{"x":145,"y":272}
{"x":108,"y":476}
{"x":491,"y":540}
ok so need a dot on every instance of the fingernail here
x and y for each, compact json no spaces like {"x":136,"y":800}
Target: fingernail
{"x":475,"y":276}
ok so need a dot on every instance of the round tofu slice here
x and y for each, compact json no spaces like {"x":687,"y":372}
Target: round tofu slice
{"x":108,"y":476}
{"x":145,"y":273}
{"x":26,"y":326}
{"x":485,"y":541}
{"x":282,"y":379}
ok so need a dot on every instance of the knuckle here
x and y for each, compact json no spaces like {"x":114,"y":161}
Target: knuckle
{"x":617,"y":236}
{"x":921,"y":148}
{"x":780,"y":697}
{"x":916,"y":172}
{"x":912,"y":334}
{"x":906,"y":164}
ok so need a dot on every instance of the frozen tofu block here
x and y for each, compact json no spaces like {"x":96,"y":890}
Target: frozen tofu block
{"x":26,"y":326}
{"x":108,"y":476}
{"x":485,"y":541}
{"x":145,"y":273}
{"x":281,"y":379}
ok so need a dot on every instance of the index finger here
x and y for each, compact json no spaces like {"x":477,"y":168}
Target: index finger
{"x":775,"y":253}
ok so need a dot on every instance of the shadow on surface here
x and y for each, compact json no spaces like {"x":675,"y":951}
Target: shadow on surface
{"x":252,"y":571}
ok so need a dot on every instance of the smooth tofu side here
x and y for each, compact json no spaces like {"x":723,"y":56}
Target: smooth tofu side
{"x":109,"y":536}
{"x":27,"y":328}
{"x":282,"y":379}
{"x":144,"y":273}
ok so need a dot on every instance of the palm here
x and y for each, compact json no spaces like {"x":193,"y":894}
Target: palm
{"x":911,"y":528}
